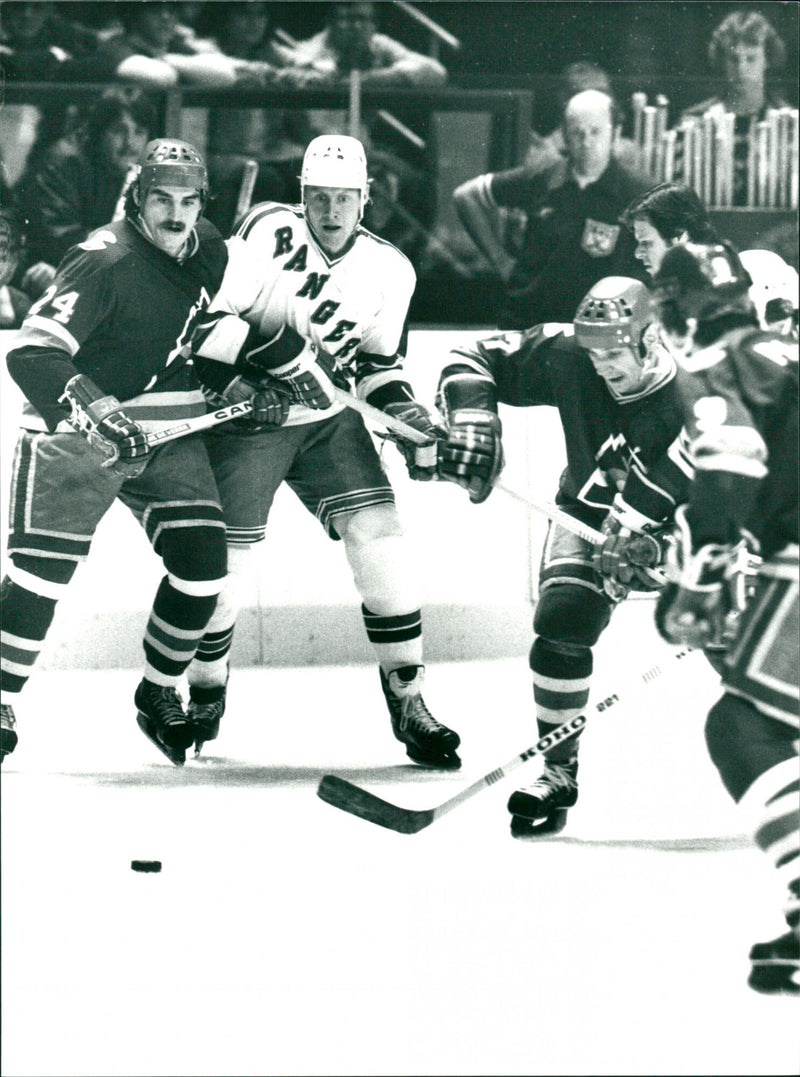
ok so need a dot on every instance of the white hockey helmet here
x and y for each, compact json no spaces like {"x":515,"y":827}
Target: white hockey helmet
{"x":335,"y":161}
{"x":775,"y":284}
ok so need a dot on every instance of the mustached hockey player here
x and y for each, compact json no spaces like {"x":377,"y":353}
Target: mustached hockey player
{"x":105,"y":342}
{"x":311,"y":300}
{"x":613,"y":381}
{"x":740,"y":385}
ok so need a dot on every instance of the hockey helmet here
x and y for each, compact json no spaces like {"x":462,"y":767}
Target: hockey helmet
{"x":614,"y":314}
{"x":173,"y":163}
{"x":701,"y":281}
{"x":335,"y":161}
{"x":775,"y":286}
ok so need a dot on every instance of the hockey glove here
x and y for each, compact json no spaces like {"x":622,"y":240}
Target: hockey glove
{"x":472,"y":455}
{"x":420,"y":458}
{"x":270,"y":406}
{"x":629,"y":557}
{"x":99,"y":417}
{"x":293,"y":361}
{"x":707,"y":593}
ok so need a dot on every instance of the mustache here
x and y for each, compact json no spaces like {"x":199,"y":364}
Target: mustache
{"x":173,"y":226}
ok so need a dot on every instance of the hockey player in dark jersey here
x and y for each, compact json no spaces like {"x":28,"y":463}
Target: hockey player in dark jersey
{"x":101,"y":360}
{"x":740,"y":387}
{"x":613,"y":381}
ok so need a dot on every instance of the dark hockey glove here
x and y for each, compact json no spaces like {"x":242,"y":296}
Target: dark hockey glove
{"x":294,"y":362}
{"x":707,"y":590}
{"x":99,"y":417}
{"x":270,"y":405}
{"x":472,"y":455}
{"x":420,"y":458}
{"x":630,"y":557}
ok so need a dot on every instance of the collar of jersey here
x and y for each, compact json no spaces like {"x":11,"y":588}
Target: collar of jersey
{"x":345,"y":249}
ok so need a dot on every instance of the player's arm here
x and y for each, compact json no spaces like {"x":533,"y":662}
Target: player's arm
{"x":41,"y":359}
{"x":478,"y":212}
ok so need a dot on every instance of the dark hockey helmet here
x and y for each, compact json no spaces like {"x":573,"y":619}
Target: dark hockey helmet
{"x":614,"y":314}
{"x":701,"y":281}
{"x":173,"y":163}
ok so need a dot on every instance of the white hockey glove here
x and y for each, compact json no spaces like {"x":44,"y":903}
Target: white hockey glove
{"x":420,"y":459}
{"x":629,"y":557}
{"x":472,"y":455}
{"x":99,"y":417}
{"x":294,"y":362}
{"x":707,"y":591}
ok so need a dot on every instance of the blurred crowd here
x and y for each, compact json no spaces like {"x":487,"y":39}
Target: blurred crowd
{"x":65,"y":164}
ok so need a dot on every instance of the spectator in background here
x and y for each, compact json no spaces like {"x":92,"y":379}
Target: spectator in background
{"x":743,"y":51}
{"x":573,"y":79}
{"x":78,"y":182}
{"x":153,"y":49}
{"x":14,"y":303}
{"x":573,"y":236}
{"x":667,"y":214}
{"x":351,"y":40}
{"x":274,"y":138}
{"x":36,"y":44}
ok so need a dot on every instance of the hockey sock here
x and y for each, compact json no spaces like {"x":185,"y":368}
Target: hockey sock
{"x":560,"y":690}
{"x":27,"y":616}
{"x":209,"y":667}
{"x":771,"y":807}
{"x":396,"y":639}
{"x":176,"y":625}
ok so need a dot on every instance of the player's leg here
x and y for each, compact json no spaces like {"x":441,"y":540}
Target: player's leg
{"x":176,"y":501}
{"x":571,"y":612}
{"x":339,"y":478}
{"x":248,"y":469}
{"x":58,"y":496}
{"x":752,"y":738}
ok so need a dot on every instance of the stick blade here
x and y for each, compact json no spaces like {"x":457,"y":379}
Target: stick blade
{"x":350,"y":798}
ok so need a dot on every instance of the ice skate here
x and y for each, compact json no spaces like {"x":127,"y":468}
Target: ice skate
{"x":162,"y":719}
{"x":426,"y":740}
{"x":206,"y":708}
{"x":541,"y":808}
{"x":8,"y":731}
{"x":776,"y":965}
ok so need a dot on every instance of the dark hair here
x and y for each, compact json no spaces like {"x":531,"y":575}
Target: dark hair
{"x":129,"y":12}
{"x":672,"y":208}
{"x":579,"y":76}
{"x":748,"y":28}
{"x":114,"y":103}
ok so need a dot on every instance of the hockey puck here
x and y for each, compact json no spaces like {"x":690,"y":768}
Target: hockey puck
{"x":146,"y":865}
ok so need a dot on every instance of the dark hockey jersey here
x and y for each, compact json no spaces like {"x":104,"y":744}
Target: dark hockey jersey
{"x":633,"y":450}
{"x":121,"y":311}
{"x":741,"y":395}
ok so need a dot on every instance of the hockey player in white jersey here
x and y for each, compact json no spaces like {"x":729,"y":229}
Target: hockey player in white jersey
{"x":311,"y":300}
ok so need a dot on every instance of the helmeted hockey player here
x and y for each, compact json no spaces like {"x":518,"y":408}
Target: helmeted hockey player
{"x":774,"y":291}
{"x":613,"y":381}
{"x":740,"y":385}
{"x":101,"y":360}
{"x":311,"y":300}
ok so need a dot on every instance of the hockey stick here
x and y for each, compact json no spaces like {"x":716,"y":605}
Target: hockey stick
{"x":357,"y":801}
{"x":403,"y":430}
{"x":246,"y":188}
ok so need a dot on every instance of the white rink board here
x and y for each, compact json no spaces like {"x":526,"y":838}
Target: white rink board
{"x":475,"y":563}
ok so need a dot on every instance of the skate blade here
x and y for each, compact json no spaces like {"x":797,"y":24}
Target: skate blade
{"x":176,"y":756}
{"x":523,"y":828}
{"x":452,"y":762}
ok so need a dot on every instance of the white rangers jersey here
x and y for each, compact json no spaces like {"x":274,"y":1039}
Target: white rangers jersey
{"x":352,"y":306}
